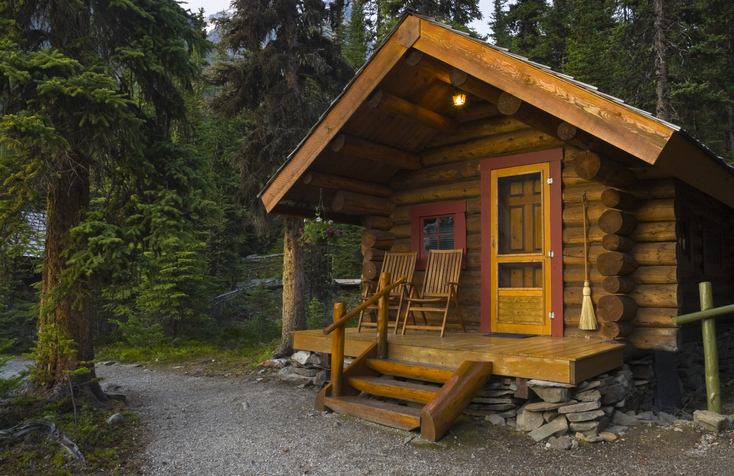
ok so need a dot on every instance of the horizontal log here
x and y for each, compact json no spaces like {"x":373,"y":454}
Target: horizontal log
{"x":591,"y":166}
{"x":615,"y":263}
{"x":401,"y":213}
{"x":429,"y":65}
{"x":654,"y":232}
{"x":379,"y":239}
{"x":476,"y":130}
{"x":574,"y":254}
{"x":573,"y":235}
{"x":573,"y":294}
{"x":612,"y":330}
{"x":617,"y":222}
{"x":377,"y":222}
{"x":642,"y":275}
{"x":310,"y":213}
{"x":656,"y":295}
{"x":616,"y":308}
{"x":573,"y":275}
{"x":503,"y":144}
{"x":437,"y":175}
{"x":480,"y":111}
{"x":394,"y":105}
{"x":508,"y":104}
{"x":654,"y":189}
{"x":651,"y":338}
{"x":449,"y":191}
{"x":575,"y":194}
{"x":655,"y":210}
{"x":475,"y":86}
{"x":645,"y":317}
{"x":655,"y":316}
{"x":655,"y":275}
{"x":574,"y":214}
{"x":343,"y":183}
{"x":373,"y":254}
{"x":401,"y":246}
{"x":618,"y":284}
{"x":655,"y":254}
{"x":617,"y":243}
{"x":613,"y":198}
{"x":384,"y":154}
{"x":358,"y":204}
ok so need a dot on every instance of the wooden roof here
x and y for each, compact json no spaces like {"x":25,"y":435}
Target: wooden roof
{"x":398,"y":107}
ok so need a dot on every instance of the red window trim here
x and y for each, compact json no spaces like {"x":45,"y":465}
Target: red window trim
{"x":457,"y":209}
{"x":554,"y":157}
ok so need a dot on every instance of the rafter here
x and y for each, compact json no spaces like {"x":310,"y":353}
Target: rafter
{"x":394,"y":105}
{"x":373,"y":151}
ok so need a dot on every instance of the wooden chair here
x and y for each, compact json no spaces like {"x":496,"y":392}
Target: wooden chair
{"x":440,"y":288}
{"x":398,"y":265}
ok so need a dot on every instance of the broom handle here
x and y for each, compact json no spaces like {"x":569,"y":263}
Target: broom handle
{"x":586,"y":245}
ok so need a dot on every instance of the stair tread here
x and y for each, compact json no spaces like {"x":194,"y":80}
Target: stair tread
{"x":390,"y":414}
{"x":408,"y":391}
{"x":430,"y":373}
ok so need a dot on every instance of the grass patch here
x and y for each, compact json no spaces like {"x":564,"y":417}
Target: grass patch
{"x":108,"y":449}
{"x":212,"y":357}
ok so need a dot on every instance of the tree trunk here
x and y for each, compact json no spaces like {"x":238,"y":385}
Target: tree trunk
{"x":662,"y":109}
{"x":64,"y":333}
{"x":294,"y":311}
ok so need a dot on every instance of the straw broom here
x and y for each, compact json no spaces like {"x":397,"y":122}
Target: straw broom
{"x":588,"y":319}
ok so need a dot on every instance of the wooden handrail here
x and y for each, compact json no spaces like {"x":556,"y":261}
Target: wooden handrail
{"x":708,"y":331}
{"x":697,"y":316}
{"x":363,"y":306}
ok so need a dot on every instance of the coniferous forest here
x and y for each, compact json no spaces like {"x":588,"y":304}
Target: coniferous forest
{"x":133,"y":147}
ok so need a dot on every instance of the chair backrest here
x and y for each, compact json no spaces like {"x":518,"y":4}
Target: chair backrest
{"x":442,"y":267}
{"x":399,"y":264}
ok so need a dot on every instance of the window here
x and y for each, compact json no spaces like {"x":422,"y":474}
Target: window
{"x":437,"y":226}
{"x":713,"y":249}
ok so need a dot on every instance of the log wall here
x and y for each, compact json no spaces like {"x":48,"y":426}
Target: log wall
{"x":701,"y":214}
{"x":632,"y":215}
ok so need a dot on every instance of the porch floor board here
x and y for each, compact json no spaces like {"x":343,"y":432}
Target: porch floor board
{"x":557,"y":359}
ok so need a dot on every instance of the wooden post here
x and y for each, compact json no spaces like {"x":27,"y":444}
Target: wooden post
{"x":711,"y":357}
{"x":337,"y":352}
{"x":383,"y":308}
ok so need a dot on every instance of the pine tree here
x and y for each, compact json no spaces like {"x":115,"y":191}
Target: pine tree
{"x":355,"y":46}
{"x":91,"y":95}
{"x":285,"y":70}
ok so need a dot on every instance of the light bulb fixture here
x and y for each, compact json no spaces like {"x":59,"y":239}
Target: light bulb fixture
{"x":459,"y":99}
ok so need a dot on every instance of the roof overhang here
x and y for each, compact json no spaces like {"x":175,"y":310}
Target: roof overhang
{"x":603,"y":118}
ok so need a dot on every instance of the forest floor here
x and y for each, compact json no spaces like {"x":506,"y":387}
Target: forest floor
{"x":201,"y":417}
{"x":202,"y":420}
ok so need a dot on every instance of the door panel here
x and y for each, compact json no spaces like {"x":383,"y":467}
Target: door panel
{"x":519,"y":257}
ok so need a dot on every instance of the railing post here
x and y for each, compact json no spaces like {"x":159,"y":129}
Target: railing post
{"x":337,"y":352}
{"x":383,"y":308}
{"x":711,"y":357}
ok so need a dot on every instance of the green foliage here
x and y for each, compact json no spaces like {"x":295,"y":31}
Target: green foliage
{"x":315,"y":318}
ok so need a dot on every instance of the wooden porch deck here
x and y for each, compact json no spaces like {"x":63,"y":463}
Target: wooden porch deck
{"x":557,"y":359}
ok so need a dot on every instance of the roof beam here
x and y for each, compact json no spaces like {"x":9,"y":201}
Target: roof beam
{"x":636,"y":133}
{"x":373,"y":151}
{"x":386,"y":57}
{"x":343,"y":183}
{"x":310,"y":213}
{"x":396,"y":106}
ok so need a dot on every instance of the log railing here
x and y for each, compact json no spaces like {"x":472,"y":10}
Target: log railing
{"x":382,"y":298}
{"x":711,"y":358}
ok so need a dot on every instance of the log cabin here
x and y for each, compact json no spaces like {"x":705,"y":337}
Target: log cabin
{"x":516,"y":167}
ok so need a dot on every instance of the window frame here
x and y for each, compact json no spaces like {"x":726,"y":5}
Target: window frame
{"x":418,"y":213}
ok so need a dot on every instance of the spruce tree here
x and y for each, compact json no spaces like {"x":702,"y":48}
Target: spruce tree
{"x":91,"y":100}
{"x":285,"y":70}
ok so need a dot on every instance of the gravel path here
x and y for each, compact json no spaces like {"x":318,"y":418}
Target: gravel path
{"x":238,"y":426}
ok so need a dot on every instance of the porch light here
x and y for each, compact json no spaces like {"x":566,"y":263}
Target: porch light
{"x":459,"y":99}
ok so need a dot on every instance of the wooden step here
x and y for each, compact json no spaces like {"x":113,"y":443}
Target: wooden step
{"x":429,"y":373}
{"x":410,"y":392}
{"x":384,"y":413}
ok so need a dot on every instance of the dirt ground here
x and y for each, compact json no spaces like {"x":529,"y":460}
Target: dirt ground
{"x":256,"y":424}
